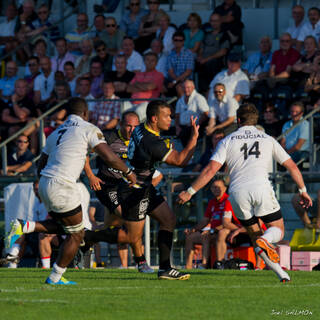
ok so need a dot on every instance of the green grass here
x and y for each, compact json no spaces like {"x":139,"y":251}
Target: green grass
{"x":126,"y":294}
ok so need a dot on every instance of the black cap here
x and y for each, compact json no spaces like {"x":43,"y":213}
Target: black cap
{"x":234,"y":57}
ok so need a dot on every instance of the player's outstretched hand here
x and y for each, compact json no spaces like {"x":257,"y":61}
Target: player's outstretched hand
{"x":195,"y":127}
{"x":183,"y":197}
{"x":132,"y":178}
{"x":305,"y":200}
{"x":95,"y":183}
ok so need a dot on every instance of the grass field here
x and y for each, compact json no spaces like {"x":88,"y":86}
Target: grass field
{"x":126,"y":294}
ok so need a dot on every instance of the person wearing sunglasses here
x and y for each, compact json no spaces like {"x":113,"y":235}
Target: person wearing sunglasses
{"x":102,"y":53}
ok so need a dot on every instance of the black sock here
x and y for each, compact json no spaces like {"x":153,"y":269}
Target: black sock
{"x":164,"y":245}
{"x":109,"y":235}
{"x":139,"y":260}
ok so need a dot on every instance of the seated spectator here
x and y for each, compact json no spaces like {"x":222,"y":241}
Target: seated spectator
{"x":121,"y":77}
{"x":257,"y":67}
{"x":312,"y":86}
{"x":44,"y":82}
{"x":296,"y":142}
{"x":81,"y":32}
{"x":234,"y":79}
{"x":20,"y":160}
{"x":190,"y":104}
{"x":298,"y":23}
{"x":106,"y":114}
{"x":193,"y":34}
{"x":103,"y":55}
{"x":310,"y":28}
{"x":222,"y":111}
{"x":148,"y":26}
{"x":63,"y":55}
{"x":270,"y":122}
{"x":146,"y":85}
{"x":230,"y":14}
{"x":82,"y":63}
{"x":26,"y":17}
{"x":83,"y":90}
{"x":157,"y":47}
{"x":7,"y":26}
{"x":34,"y":68}
{"x":180,"y":65}
{"x":70,"y":77}
{"x":100,"y":26}
{"x":40,"y":49}
{"x":165,"y":33}
{"x":96,"y":77}
{"x":8,"y":81}
{"x":214,"y":48}
{"x":134,"y":59}
{"x":131,"y":19}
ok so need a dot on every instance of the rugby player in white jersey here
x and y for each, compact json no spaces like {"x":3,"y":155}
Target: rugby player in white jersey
{"x":61,"y":162}
{"x":248,"y":154}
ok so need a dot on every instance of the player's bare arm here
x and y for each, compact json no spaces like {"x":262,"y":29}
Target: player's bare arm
{"x":94,"y":181}
{"x":206,"y":175}
{"x":42,"y":162}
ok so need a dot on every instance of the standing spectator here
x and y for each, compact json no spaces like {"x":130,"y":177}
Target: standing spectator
{"x":8,"y":81}
{"x":180,"y":65}
{"x":8,"y":25}
{"x":165,"y":33}
{"x":234,"y":79}
{"x":121,"y":77}
{"x":81,"y":32}
{"x":190,"y":104}
{"x":82,"y":63}
{"x":298,"y":20}
{"x":213,"y":51}
{"x":102,"y":53}
{"x":106,"y":114}
{"x":194,"y":35}
{"x":44,"y":82}
{"x":34,"y":68}
{"x":131,"y":19}
{"x":70,"y":77}
{"x":84,"y":88}
{"x":134,"y":59}
{"x":223,"y":111}
{"x":146,"y":85}
{"x":310,"y":28}
{"x":230,"y":14}
{"x":63,"y":55}
{"x":96,"y":77}
{"x":296,"y":142}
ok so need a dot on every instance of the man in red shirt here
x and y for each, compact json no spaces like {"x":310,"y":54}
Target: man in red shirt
{"x":146,"y":85}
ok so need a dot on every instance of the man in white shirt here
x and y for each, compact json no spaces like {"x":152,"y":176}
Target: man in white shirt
{"x":190,"y":104}
{"x":223,"y":109}
{"x":235,"y":80}
{"x":248,"y":153}
{"x":61,"y":162}
{"x":298,"y":17}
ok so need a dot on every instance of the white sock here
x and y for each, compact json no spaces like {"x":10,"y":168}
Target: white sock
{"x":273,"y":266}
{"x":46,"y":262}
{"x":12,"y":265}
{"x":29,"y":227}
{"x":14,"y":250}
{"x":272,"y":235}
{"x":56,"y":273}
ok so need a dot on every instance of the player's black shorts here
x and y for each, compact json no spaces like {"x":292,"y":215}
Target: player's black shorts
{"x":137,"y":203}
{"x":108,"y":196}
{"x":240,"y":239}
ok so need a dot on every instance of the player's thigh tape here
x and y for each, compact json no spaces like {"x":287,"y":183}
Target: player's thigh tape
{"x":73,"y":229}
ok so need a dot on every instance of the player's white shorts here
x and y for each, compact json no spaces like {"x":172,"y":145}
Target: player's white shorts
{"x":59,"y":195}
{"x":253,"y":200}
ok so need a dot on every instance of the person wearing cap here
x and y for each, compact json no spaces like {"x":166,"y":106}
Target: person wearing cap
{"x":236,"y":82}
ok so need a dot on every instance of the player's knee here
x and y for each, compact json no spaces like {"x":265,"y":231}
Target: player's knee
{"x":222,"y":234}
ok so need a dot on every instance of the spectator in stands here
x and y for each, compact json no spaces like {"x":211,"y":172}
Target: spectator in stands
{"x":149,"y":25}
{"x":212,"y":53}
{"x":312,"y":86}
{"x":134,"y":59}
{"x":8,"y":25}
{"x":106,"y":114}
{"x":44,"y":82}
{"x":63,"y":55}
{"x":234,"y":79}
{"x":81,"y":32}
{"x":270,"y":122}
{"x":165,"y":33}
{"x":190,"y":104}
{"x":222,"y":111}
{"x":121,"y":77}
{"x":180,"y":65}
{"x":146,"y":85}
{"x":257,"y":67}
{"x":34,"y":68}
{"x":20,"y":160}
{"x":230,"y":14}
{"x":102,"y":53}
{"x":83,"y":62}
{"x":298,"y":20}
{"x":96,"y":77}
{"x":40,"y":48}
{"x":27,"y":16}
{"x":310,"y":28}
{"x":8,"y":81}
{"x":83,"y":90}
{"x":100,"y":26}
{"x":70,"y":77}
{"x":296,"y":142}
{"x":193,"y":34}
{"x":157,"y":47}
{"x":131,"y":19}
